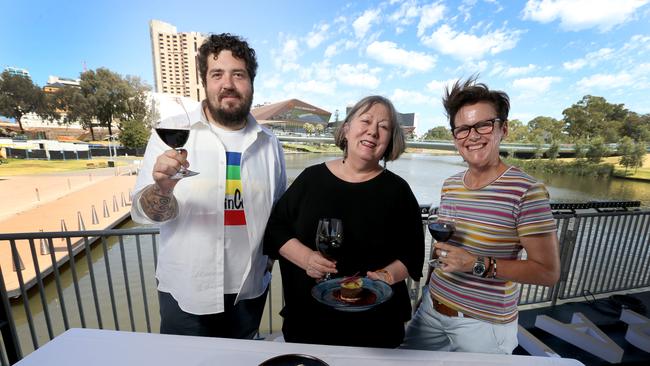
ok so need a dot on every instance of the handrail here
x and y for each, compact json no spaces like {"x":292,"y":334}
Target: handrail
{"x":600,"y":252}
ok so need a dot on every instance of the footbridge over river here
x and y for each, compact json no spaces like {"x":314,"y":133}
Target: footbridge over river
{"x":516,"y":149}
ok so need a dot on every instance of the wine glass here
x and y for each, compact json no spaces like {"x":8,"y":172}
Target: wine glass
{"x":174,"y":131}
{"x":329,"y":238}
{"x":442,"y":227}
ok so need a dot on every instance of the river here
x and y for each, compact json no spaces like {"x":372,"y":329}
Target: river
{"x":425,"y":173}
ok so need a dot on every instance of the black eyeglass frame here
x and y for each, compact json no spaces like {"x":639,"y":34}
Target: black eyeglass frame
{"x":475,"y":126}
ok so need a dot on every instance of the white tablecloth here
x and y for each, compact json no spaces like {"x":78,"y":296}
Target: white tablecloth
{"x":86,"y":347}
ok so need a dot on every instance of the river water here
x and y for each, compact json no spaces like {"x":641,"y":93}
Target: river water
{"x":425,"y":173}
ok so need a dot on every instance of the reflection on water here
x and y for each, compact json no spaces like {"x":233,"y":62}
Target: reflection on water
{"x":425,"y":173}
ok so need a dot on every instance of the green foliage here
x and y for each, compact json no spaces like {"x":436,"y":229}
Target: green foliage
{"x":517,"y":131}
{"x":636,"y":126}
{"x":581,"y":147}
{"x":596,"y":150}
{"x":134,"y":134}
{"x":553,"y":151}
{"x":319,"y":128}
{"x":594,"y":116}
{"x":547,"y":128}
{"x":19,"y":96}
{"x":438,"y":133}
{"x":575,"y":167}
{"x":539,"y":147}
{"x":309,"y":128}
{"x":626,"y":149}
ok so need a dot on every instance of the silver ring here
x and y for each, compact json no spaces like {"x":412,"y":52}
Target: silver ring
{"x":443,"y":253}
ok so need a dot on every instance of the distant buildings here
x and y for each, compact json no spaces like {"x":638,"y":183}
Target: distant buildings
{"x":405,"y":120}
{"x":17,"y":71}
{"x":175,"y":60}
{"x":291,"y":115}
{"x":55,"y":83}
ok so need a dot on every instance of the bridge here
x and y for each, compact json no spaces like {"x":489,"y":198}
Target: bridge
{"x":516,"y":149}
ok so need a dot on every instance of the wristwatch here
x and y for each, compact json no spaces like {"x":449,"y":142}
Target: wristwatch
{"x":479,"y":268}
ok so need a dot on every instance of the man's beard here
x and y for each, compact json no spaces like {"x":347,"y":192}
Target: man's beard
{"x":232,"y":117}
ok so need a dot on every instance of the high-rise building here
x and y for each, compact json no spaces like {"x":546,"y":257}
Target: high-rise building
{"x":17,"y":71}
{"x":175,"y":61}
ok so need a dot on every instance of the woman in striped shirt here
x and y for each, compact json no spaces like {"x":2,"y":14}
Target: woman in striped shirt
{"x":498,"y":210}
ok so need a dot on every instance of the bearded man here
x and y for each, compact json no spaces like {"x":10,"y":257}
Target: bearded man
{"x":212,"y":275}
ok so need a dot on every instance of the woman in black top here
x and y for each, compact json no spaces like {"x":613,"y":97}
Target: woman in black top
{"x":383,"y":235}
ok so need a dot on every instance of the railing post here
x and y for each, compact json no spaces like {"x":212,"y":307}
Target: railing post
{"x":7,"y":327}
{"x":566,"y":255}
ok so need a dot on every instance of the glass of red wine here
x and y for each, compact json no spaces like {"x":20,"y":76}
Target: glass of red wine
{"x":442,"y":227}
{"x":174,"y":131}
{"x":329,"y":239}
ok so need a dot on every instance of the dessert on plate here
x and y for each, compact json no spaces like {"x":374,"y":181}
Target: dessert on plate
{"x":351,"y":288}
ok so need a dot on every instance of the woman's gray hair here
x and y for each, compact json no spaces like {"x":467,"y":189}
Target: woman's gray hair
{"x":397,"y":143}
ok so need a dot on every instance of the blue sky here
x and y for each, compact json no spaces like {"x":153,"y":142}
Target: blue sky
{"x":546,"y":54}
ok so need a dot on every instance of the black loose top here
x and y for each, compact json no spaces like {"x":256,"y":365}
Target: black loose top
{"x":381,"y":223}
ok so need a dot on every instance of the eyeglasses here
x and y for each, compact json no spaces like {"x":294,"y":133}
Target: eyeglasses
{"x":482,"y":127}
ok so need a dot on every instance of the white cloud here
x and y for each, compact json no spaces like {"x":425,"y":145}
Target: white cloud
{"x":468,"y":46}
{"x":607,"y":81}
{"x":406,"y":13}
{"x":324,"y":87}
{"x":431,"y":14}
{"x":289,"y":50}
{"x":439,"y":86}
{"x":535,"y":85}
{"x":592,"y":58}
{"x":357,"y":75}
{"x":331,"y":50}
{"x":577,"y":15}
{"x":519,"y":71}
{"x":363,"y":23}
{"x":317,"y":36}
{"x":401,"y":96}
{"x":388,"y":53}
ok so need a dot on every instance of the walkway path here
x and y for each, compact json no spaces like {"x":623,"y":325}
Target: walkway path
{"x":67,"y":203}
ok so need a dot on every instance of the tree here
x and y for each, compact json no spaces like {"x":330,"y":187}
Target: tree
{"x":549,"y":129}
{"x":517,"y":132}
{"x":20,"y":96}
{"x":593,"y":116}
{"x":553,"y":151}
{"x":626,"y":151}
{"x":438,"y":133}
{"x":134,"y":134}
{"x":320,"y":128}
{"x":107,"y":93}
{"x":639,"y":155}
{"x":539,"y":147}
{"x":596,"y":150}
{"x":636,"y":126}
{"x":309,"y":128}
{"x":77,"y":107}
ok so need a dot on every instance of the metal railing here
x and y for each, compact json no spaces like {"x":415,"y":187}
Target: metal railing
{"x":105,"y":279}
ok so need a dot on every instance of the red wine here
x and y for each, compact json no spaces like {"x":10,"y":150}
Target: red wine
{"x":172,"y":137}
{"x":329,"y":246}
{"x":441,"y":231}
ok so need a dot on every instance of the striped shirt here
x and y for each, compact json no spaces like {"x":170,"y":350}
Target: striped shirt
{"x":489,"y":222}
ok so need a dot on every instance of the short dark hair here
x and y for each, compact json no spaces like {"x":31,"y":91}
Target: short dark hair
{"x":470,"y":92}
{"x":397,"y":143}
{"x":216,"y":43}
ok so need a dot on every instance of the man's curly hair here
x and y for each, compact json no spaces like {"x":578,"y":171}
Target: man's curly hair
{"x":216,"y":43}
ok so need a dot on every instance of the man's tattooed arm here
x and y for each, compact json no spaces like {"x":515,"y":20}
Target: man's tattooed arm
{"x":159,"y":206}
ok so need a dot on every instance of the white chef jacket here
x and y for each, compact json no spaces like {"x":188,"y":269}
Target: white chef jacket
{"x":190,"y":260}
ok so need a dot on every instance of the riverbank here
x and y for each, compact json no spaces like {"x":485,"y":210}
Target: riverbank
{"x":609,"y":167}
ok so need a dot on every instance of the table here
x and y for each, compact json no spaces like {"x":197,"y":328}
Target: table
{"x":87,"y":347}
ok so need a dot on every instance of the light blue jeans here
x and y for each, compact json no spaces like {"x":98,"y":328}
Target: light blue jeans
{"x":430,"y":330}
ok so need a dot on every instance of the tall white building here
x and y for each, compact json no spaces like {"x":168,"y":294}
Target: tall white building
{"x":175,"y":60}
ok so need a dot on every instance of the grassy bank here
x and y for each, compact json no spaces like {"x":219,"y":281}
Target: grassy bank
{"x":608,"y":167}
{"x":13,"y":167}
